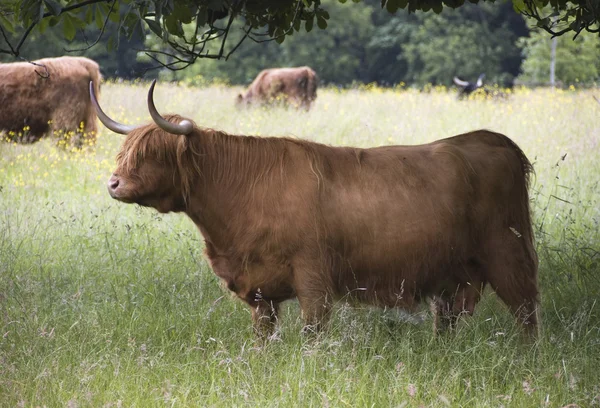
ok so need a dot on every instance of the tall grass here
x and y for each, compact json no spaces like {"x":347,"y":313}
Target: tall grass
{"x":107,"y":305}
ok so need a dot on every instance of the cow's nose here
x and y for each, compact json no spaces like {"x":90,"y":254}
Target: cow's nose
{"x":113,"y":183}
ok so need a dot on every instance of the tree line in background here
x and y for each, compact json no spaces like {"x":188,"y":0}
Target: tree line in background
{"x":361,"y":44}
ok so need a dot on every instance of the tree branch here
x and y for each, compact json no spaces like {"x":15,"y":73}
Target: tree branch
{"x":112,"y":6}
{"x":299,"y":5}
{"x":239,"y":43}
{"x":170,"y":65}
{"x":231,"y":15}
{"x":532,"y":12}
{"x":25,"y":35}
{"x":15,"y":51}
{"x":12,"y":51}
{"x":76,"y":6}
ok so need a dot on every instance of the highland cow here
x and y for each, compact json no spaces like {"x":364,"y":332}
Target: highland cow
{"x":48,"y":96}
{"x":390,"y":226}
{"x":293,"y":86}
{"x":466,"y":87}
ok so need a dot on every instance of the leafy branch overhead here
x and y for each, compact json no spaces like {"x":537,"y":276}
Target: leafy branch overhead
{"x":192,"y":29}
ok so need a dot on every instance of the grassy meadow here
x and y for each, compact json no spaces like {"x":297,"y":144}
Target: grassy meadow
{"x":104,"y":304}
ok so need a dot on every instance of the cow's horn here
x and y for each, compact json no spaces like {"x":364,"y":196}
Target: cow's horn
{"x":108,"y":122}
{"x":184,"y":127}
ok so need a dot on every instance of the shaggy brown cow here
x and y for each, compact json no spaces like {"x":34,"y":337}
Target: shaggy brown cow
{"x":296,"y":86}
{"x":49,"y":95}
{"x":285,"y":218}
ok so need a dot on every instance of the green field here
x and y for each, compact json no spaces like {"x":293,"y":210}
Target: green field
{"x":104,"y":304}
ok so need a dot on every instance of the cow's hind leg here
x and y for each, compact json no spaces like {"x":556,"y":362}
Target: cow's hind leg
{"x":447,"y":308}
{"x":512,"y":273}
{"x":313,"y":290}
{"x":316,"y":308}
{"x":443,"y":319}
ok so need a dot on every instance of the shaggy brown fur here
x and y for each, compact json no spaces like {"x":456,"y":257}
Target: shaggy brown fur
{"x":390,"y":226}
{"x":53,"y":90}
{"x":296,"y":86}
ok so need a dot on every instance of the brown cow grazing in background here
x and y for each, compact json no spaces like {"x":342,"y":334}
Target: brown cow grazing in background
{"x":48,"y":95}
{"x":390,"y":226}
{"x":294,"y":86}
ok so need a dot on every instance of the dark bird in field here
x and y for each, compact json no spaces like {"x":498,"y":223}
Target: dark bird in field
{"x":468,"y":87}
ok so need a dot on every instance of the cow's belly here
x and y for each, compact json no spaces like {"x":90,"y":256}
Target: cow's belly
{"x":396,"y":264}
{"x":254,"y":280}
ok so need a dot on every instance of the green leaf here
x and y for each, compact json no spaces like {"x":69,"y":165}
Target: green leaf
{"x":104,"y":7}
{"x":89,"y":16}
{"x":437,"y":8}
{"x":6,"y":23}
{"x":321,"y":22}
{"x":309,"y":24}
{"x":297,"y":23}
{"x":575,"y":25}
{"x":78,"y":22}
{"x":182,"y":13}
{"x":137,"y":30}
{"x":99,"y":18}
{"x":393,"y":5}
{"x":43,"y":25}
{"x":167,"y":7}
{"x":53,"y":7}
{"x":173,"y":25}
{"x":543,"y":22}
{"x":111,"y":44}
{"x":519,"y":5}
{"x":453,"y":3}
{"x":202,"y":17}
{"x":52,"y":21}
{"x":154,"y":26}
{"x":68,"y":27}
{"x":115,"y":17}
{"x":31,"y":11}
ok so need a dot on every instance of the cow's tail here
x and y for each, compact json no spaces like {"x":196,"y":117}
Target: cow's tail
{"x":526,"y":221}
{"x":313,"y":84}
{"x":308,"y":83}
{"x":522,"y":216}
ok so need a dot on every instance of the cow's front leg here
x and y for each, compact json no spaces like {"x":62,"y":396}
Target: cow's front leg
{"x":264,"y":318}
{"x":443,"y":316}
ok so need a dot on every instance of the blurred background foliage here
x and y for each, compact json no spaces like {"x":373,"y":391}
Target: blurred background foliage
{"x":363,"y":44}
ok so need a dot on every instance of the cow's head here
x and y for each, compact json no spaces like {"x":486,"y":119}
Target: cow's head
{"x":156,"y":164}
{"x":242,"y":101}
